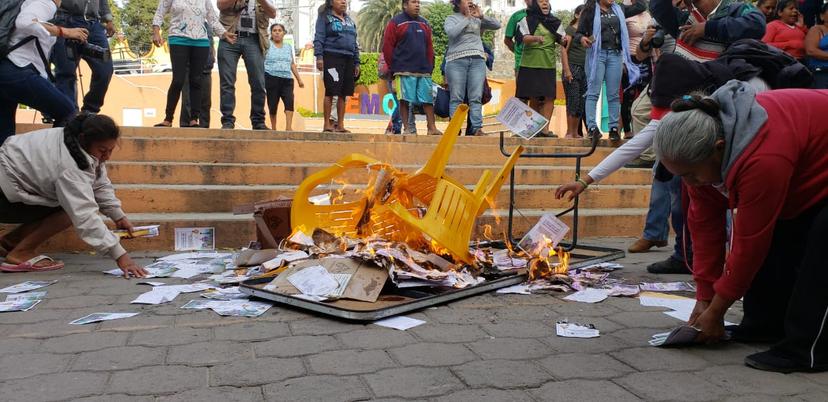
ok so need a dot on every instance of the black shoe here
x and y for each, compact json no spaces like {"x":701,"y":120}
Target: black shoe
{"x":668,"y":266}
{"x":614,"y":136}
{"x":227,"y":126}
{"x":594,"y":133}
{"x":260,"y":126}
{"x":546,"y":134}
{"x":639,"y":163}
{"x":742,"y":334}
{"x":775,"y":362}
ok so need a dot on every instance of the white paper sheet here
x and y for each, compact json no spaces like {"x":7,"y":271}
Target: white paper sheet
{"x":520,"y":289}
{"x":314,"y":280}
{"x":334,"y":74}
{"x":546,"y":234}
{"x":575,"y":330}
{"x":588,"y":295}
{"x":521,"y":119}
{"x":98,"y":317}
{"x":668,"y":287}
{"x":26,"y":296}
{"x":400,"y":323}
{"x":152,"y":283}
{"x":682,"y":307}
{"x":187,"y":239}
{"x":288,"y":256}
{"x":196,"y":255}
{"x":26,"y":286}
{"x":157,"y":295}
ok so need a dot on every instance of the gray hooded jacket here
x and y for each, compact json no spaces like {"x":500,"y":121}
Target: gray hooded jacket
{"x":91,"y":9}
{"x":742,"y":117}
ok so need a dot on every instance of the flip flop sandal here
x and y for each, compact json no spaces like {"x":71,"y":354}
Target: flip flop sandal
{"x":29,"y":266}
{"x":162,"y":125}
{"x":341,"y":130}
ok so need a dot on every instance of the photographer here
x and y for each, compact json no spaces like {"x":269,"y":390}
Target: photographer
{"x":93,"y":16}
{"x":25,"y":70}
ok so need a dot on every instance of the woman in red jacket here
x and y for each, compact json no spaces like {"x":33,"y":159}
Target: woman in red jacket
{"x":763,"y":158}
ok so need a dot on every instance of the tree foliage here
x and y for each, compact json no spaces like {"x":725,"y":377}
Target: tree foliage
{"x":436,"y":14}
{"x":136,"y":24}
{"x":371,"y":22}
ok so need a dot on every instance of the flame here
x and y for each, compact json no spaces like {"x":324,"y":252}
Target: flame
{"x":541,"y":267}
{"x":487,"y":232}
{"x":562,"y":268}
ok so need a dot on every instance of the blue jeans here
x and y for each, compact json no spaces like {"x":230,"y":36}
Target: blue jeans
{"x":665,"y":202}
{"x":66,"y":65}
{"x":26,"y":86}
{"x":465,"y":78}
{"x":609,"y":69}
{"x":247,"y":48}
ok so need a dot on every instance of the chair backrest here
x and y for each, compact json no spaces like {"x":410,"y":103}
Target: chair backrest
{"x":494,"y":188}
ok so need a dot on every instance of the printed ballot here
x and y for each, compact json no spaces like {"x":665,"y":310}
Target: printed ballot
{"x":521,"y":119}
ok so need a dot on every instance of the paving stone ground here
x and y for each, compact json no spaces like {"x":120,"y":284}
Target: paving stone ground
{"x":484,"y":348}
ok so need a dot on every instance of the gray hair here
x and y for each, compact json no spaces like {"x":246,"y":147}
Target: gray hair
{"x":688,"y":136}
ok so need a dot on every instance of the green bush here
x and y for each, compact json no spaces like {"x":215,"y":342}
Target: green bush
{"x":437,"y":75}
{"x":307,"y":113}
{"x":368,"y":69}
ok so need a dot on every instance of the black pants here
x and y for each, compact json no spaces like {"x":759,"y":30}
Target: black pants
{"x":788,"y":296}
{"x":201,"y":112}
{"x":184,"y":59}
{"x":278,"y":88}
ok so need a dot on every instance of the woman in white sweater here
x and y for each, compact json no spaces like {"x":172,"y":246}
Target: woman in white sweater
{"x":55,"y":178}
{"x":189,"y":47}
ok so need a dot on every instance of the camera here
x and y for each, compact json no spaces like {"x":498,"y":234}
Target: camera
{"x":658,"y":37}
{"x":75,"y":49}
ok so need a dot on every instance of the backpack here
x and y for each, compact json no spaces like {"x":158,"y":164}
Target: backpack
{"x":9,"y":10}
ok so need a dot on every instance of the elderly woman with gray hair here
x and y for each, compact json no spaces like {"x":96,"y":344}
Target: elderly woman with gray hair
{"x":764,"y":158}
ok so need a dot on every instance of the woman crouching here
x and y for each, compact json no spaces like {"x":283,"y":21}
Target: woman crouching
{"x":55,"y":178}
{"x":763,"y":158}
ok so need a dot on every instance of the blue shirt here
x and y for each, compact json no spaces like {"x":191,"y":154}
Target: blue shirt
{"x":278,"y":61}
{"x":334,"y":35}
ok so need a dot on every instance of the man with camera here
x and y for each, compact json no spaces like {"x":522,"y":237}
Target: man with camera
{"x":95,"y":17}
{"x":249,"y":20}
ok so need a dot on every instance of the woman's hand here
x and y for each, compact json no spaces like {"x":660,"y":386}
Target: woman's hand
{"x":320,"y":65}
{"x":130,"y":267}
{"x":474,"y":11}
{"x":567,"y":75}
{"x":229,"y":37}
{"x":356,"y":71}
{"x":78,"y":34}
{"x":648,"y":35}
{"x":157,"y":40}
{"x":699,"y":308}
{"x":125,"y":224}
{"x":709,"y":322}
{"x":301,"y":84}
{"x":575,"y":188}
{"x":586,"y":41}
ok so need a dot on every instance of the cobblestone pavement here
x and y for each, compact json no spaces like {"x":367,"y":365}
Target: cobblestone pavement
{"x":484,"y":348}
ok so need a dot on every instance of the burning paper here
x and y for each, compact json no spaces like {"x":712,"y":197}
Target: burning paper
{"x":602,"y":267}
{"x":668,"y":287}
{"x":26,"y":286}
{"x":544,"y":236}
{"x":575,"y":330}
{"x":301,"y":239}
{"x":504,"y":261}
{"x":98,"y":317}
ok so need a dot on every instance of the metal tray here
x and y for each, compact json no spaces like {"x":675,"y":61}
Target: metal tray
{"x":395,"y":301}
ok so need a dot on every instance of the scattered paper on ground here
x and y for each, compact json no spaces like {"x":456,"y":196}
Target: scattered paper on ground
{"x":26,"y":286}
{"x":622,"y":289}
{"x":21,"y":301}
{"x":401,"y":323}
{"x":314,"y":281}
{"x":520,"y":289}
{"x":668,"y":287}
{"x":682,"y":306}
{"x":187,"y":239}
{"x":575,"y":330}
{"x":238,"y":308}
{"x":588,"y":295}
{"x":98,"y":317}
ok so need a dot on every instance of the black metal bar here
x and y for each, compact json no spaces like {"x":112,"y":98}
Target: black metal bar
{"x":574,"y":209}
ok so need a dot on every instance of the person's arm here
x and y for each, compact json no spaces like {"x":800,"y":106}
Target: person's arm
{"x":224,"y":5}
{"x":634,"y":9}
{"x":567,"y":73}
{"x":489,"y":23}
{"x":295,"y":72}
{"x":612,"y":163}
{"x":707,"y":220}
{"x":509,"y":33}
{"x":267,"y":8}
{"x":33,"y":21}
{"x":104,"y":11}
{"x":812,"y":44}
{"x":213,"y":19}
{"x":356,"y":53}
{"x":643,"y":50}
{"x":104,"y":193}
{"x":389,"y":42}
{"x":161,"y":12}
{"x":319,"y":39}
{"x":746,"y":22}
{"x":455,"y":25}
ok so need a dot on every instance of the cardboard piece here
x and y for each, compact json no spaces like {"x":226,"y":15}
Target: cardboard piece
{"x":272,"y":222}
{"x":367,"y":280}
{"x":249,"y":258}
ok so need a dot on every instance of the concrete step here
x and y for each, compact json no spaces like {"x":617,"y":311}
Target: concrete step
{"x":161,"y":172}
{"x":169,"y":198}
{"x":272,"y":151}
{"x":233,"y":231}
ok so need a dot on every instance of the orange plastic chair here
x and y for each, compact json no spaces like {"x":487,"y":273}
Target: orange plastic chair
{"x":339,"y":219}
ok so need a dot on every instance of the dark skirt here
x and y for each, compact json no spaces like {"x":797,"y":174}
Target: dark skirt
{"x":536,"y":83}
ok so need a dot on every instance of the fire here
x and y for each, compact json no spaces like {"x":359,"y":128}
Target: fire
{"x":487,"y":232}
{"x":541,"y":267}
